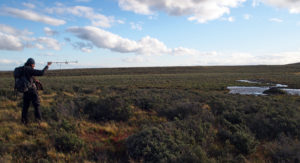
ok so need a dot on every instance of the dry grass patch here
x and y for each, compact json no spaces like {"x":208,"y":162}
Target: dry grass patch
{"x":8,"y":104}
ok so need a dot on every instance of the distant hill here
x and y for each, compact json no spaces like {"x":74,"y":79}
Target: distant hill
{"x":294,"y":64}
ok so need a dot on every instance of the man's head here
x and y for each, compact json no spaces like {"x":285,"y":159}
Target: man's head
{"x":30,"y":62}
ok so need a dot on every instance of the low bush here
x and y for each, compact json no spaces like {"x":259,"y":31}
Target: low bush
{"x":49,"y":113}
{"x":65,"y":142}
{"x":8,"y":94}
{"x":152,"y":145}
{"x":284,"y":149}
{"x":180,"y":111}
{"x":67,"y":126}
{"x":30,"y":151}
{"x":111,"y":108}
{"x":156,"y":145}
{"x":274,"y":91}
{"x":243,"y":142}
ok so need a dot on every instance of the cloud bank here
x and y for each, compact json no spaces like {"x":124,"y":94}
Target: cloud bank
{"x":292,"y":5}
{"x":50,"y":32}
{"x":15,"y":40}
{"x":200,"y":11}
{"x":10,"y":42}
{"x":145,"y":46}
{"x":33,"y":16}
{"x":86,"y":12}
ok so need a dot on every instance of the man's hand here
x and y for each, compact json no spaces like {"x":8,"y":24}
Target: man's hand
{"x":49,"y":63}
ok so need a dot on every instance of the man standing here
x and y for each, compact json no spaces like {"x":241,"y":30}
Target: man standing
{"x":32,"y":94}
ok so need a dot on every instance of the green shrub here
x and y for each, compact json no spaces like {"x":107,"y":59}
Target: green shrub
{"x":152,"y":145}
{"x":30,"y":151}
{"x":192,"y":154}
{"x":244,"y":142}
{"x":145,"y":103}
{"x":270,"y":124}
{"x":76,"y":88}
{"x":4,"y":148}
{"x":67,"y":126}
{"x":49,"y":113}
{"x":112,"y":108}
{"x":181,"y":111}
{"x":284,"y":149}
{"x":8,"y":94}
{"x":156,"y":145}
{"x":274,"y":91}
{"x":66,"y":142}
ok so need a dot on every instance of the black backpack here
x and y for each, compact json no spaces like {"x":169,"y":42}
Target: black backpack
{"x":21,"y":83}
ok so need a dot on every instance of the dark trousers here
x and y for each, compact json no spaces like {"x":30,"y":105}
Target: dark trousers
{"x":28,"y":97}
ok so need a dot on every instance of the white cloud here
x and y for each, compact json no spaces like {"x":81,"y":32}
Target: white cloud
{"x":10,"y":30}
{"x":50,"y":43}
{"x":255,"y":3}
{"x":276,"y":20}
{"x":200,"y":11}
{"x":11,"y":38}
{"x":247,"y":16}
{"x":86,"y":12}
{"x":50,"y":32}
{"x":282,"y":57}
{"x":292,"y":5}
{"x":219,"y":58}
{"x":7,"y":61}
{"x":145,"y":46}
{"x":14,"y":39}
{"x":181,"y":51}
{"x":84,"y":47}
{"x":136,"y":26}
{"x":10,"y":42}
{"x":86,"y":50}
{"x":104,"y":39}
{"x":28,"y":5}
{"x":36,"y":45}
{"x":229,"y":19}
{"x":33,"y":16}
{"x":241,"y":58}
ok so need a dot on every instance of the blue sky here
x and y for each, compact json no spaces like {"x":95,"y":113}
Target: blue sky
{"x":135,"y":33}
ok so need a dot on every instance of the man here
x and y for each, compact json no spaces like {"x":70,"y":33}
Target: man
{"x":32,"y":94}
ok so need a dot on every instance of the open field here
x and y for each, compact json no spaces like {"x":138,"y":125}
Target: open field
{"x":165,"y":114}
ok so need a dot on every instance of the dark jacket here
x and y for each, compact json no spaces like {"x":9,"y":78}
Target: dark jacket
{"x":30,"y":73}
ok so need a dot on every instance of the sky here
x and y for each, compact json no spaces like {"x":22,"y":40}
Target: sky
{"x":146,"y":33}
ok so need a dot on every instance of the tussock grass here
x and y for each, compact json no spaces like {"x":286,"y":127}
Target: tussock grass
{"x":187,"y":110}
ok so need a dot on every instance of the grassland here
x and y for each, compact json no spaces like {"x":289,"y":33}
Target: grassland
{"x":163,"y":114}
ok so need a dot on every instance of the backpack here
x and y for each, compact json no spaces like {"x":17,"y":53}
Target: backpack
{"x":21,"y":83}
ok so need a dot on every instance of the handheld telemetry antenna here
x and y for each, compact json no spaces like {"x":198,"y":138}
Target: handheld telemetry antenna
{"x":66,"y":62}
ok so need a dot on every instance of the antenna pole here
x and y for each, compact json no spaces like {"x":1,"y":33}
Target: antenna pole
{"x":66,"y":62}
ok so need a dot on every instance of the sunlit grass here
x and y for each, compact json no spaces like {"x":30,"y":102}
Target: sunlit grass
{"x":156,"y":97}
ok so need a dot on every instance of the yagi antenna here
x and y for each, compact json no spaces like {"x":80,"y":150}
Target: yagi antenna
{"x":66,"y":62}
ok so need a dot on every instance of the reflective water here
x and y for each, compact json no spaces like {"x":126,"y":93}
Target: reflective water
{"x":247,"y":90}
{"x":248,"y":81}
{"x":292,"y":91}
{"x":258,"y":90}
{"x":281,"y":86}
